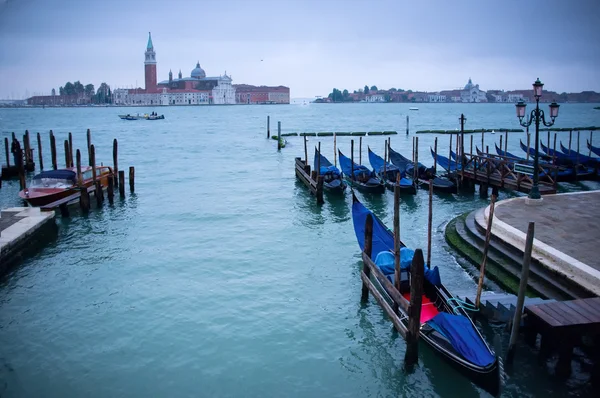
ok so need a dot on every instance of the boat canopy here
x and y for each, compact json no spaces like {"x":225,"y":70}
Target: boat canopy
{"x":326,"y":166}
{"x":385,"y":262}
{"x":346,"y":165}
{"x":462,"y":335}
{"x":378,"y":163}
{"x":58,"y":175}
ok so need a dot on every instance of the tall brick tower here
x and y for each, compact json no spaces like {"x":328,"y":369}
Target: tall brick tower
{"x":150,"y":65}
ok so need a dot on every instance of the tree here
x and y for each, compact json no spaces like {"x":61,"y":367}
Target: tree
{"x":89,"y":90}
{"x":103,"y":95}
{"x":393,"y":89}
{"x":69,"y":88}
{"x":61,"y":90}
{"x":78,"y":87}
{"x":345,"y":93}
{"x":387,"y":97}
{"x":373,"y":88}
{"x":366,"y":90}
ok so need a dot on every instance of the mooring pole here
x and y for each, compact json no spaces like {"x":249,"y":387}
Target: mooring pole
{"x":396,"y":237}
{"x":122,"y":183}
{"x":522,"y":288}
{"x":471,"y":151}
{"x":414,"y":310}
{"x":416,"y":166}
{"x":319,"y":160}
{"x":352,"y":159}
{"x":115,"y":162}
{"x":70,"y":149}
{"x":268,"y":126}
{"x":53,"y":150}
{"x":501,"y":146}
{"x":430,"y":224}
{"x":279,"y":143}
{"x":528,"y":143}
{"x":570,"y":138}
{"x":406,"y":124}
{"x":435,"y":155}
{"x":590,"y":144}
{"x":506,"y":141}
{"x":334,"y":150}
{"x":67,"y":160}
{"x":132,"y":179}
{"x":359,"y":150}
{"x":450,"y":155}
{"x":89,"y":144}
{"x":486,"y":246}
{"x":7,"y":151}
{"x":367,"y":250}
{"x":39,"y":140}
{"x":306,"y":153}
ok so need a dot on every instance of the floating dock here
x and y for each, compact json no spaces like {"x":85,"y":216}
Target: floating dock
{"x":22,"y":228}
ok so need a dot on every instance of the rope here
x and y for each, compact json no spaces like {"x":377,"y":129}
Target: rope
{"x":462,"y":304}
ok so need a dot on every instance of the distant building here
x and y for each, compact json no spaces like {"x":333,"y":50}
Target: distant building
{"x":436,"y":97}
{"x":194,"y":90}
{"x":375,"y":97}
{"x":472,"y":93}
{"x":60,"y":100}
{"x":249,"y":94}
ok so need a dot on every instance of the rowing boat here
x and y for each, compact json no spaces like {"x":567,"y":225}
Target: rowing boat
{"x":332,"y":177}
{"x":360,"y":176}
{"x":424,"y":174}
{"x":389,"y":174}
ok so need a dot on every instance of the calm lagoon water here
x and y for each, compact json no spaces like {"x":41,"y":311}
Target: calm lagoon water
{"x":221,"y":277}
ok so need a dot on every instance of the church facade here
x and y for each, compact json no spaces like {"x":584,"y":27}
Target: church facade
{"x":197,"y":89}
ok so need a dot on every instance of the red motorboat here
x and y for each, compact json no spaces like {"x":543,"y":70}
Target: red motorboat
{"x":52,"y":185}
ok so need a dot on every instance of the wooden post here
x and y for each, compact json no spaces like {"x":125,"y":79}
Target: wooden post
{"x":435,"y":157}
{"x":522,"y":288}
{"x":590,"y":148}
{"x":416,"y":166}
{"x":320,"y":200}
{"x":53,"y":150}
{"x":414,"y":311}
{"x":486,"y":246}
{"x":482,"y":146}
{"x":79,"y":177}
{"x":548,"y":146}
{"x":501,"y":146}
{"x":352,"y":160}
{"x":385,"y":158}
{"x":406,"y":124}
{"x":577,"y":164}
{"x":7,"y":151}
{"x":396,"y":238}
{"x":359,"y":150}
{"x":89,"y":145}
{"x":110,"y":189}
{"x":27,"y":147}
{"x":450,"y":155}
{"x":92,"y":154}
{"x":430,"y":224}
{"x":115,"y":162}
{"x":279,"y":143}
{"x":268,"y":126}
{"x":70,"y":149}
{"x":39,"y":140}
{"x":506,"y":141}
{"x":318,"y":165}
{"x":98,"y":193}
{"x":554,"y":162}
{"x":367,"y":250}
{"x":528,"y":143}
{"x":334,"y":150}
{"x":64,"y":210}
{"x":67,"y":160}
{"x":122,"y":183}
{"x":570,"y":138}
{"x":20,"y":165}
{"x":471,"y":150}
{"x":306,"y":153}
{"x":84,"y":200}
{"x":131,"y":179}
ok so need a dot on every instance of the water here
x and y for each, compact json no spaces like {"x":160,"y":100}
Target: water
{"x":221,"y":276}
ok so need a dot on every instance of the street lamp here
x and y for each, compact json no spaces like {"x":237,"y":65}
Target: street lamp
{"x":537,"y":116}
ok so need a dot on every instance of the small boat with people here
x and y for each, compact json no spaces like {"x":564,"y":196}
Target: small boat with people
{"x":424,"y":174}
{"x":154,"y":116}
{"x":332,"y":176}
{"x":390,"y":174}
{"x":360,"y":176}
{"x":446,"y":326}
{"x":52,"y":185}
{"x":129,"y":117}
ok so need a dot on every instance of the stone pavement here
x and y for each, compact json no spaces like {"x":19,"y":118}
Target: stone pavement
{"x":567,"y":233}
{"x":570,"y":223}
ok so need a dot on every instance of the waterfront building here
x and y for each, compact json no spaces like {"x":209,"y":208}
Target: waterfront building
{"x":249,"y":94}
{"x":197,"y":89}
{"x":436,"y":97}
{"x":375,"y":97}
{"x":472,"y":93}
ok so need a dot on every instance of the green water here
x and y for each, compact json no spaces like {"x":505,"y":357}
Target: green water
{"x":221,"y":277}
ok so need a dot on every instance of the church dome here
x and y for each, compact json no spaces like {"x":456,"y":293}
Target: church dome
{"x":198,"y":72}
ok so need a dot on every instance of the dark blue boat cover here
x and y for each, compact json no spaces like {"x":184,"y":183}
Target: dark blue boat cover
{"x":377,"y":162}
{"x":582,"y":158}
{"x":464,"y":338}
{"x":324,"y":161}
{"x":444,"y":162}
{"x":594,"y":149}
{"x":346,"y":165}
{"x":383,"y":245}
{"x":57,"y":174}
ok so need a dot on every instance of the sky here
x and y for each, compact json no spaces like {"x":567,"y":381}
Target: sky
{"x":310,"y":46}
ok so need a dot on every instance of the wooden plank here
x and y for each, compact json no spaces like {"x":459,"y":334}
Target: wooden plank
{"x":564,"y":318}
{"x":576,"y":308}
{"x":386,"y":307}
{"x":593,"y":310}
{"x":387,"y":285}
{"x":534,"y":310}
{"x":576,"y":317}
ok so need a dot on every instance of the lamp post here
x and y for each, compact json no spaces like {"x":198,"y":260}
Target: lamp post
{"x":537,"y":117}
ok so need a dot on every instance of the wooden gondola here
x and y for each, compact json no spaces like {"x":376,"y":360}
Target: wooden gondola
{"x":389,"y":174}
{"x":332,"y":177}
{"x":595,"y":149}
{"x":564,"y":173}
{"x":424,"y":174}
{"x":360,"y":176}
{"x":445,"y":324}
{"x":561,"y":159}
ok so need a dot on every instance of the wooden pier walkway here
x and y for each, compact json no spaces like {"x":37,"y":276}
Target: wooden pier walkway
{"x":561,"y":325}
{"x":314,"y":183}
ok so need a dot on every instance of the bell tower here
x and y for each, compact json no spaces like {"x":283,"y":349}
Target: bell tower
{"x":150,"y":65}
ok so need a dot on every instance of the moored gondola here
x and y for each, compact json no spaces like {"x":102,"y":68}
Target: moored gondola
{"x":360,"y":176}
{"x":445,"y":325}
{"x":424,"y":174}
{"x":332,"y":177}
{"x":595,"y":149}
{"x":389,"y":174}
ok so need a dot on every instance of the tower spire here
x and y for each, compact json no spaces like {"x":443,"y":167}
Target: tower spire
{"x":150,"y":46}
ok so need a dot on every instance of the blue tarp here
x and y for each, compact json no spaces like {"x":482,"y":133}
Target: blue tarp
{"x":346,"y":165}
{"x":330,"y":169}
{"x":324,"y":161}
{"x":464,"y":338}
{"x":57,"y":174}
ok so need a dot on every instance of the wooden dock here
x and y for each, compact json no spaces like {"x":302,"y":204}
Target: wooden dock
{"x":312,"y":181}
{"x":561,"y":325}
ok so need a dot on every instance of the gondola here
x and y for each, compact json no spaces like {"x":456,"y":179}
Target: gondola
{"x":389,"y":174}
{"x":594,"y":149}
{"x":445,"y":325}
{"x":584,"y":164}
{"x":584,"y":159}
{"x":360,"y":176}
{"x":450,"y":166}
{"x":332,"y":177}
{"x":424,"y":174}
{"x":531,"y":152}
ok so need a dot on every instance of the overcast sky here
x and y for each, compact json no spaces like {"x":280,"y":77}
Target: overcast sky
{"x":309,"y":45}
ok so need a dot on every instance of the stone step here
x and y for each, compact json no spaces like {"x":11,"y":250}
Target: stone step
{"x":551,"y":284}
